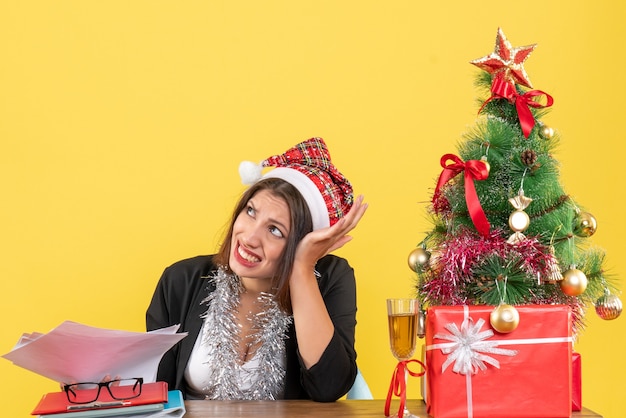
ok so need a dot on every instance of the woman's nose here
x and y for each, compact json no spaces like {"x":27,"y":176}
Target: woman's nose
{"x":252,"y":237}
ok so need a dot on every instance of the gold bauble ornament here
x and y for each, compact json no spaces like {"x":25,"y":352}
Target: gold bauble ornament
{"x":608,"y":307}
{"x":487,"y":165}
{"x":504,"y":318}
{"x":418,"y":258}
{"x":574,"y":282}
{"x":585,"y":225}
{"x":546,"y":132}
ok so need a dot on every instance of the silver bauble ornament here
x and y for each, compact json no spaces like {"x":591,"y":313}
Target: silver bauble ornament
{"x":504,"y":318}
{"x":608,"y":307}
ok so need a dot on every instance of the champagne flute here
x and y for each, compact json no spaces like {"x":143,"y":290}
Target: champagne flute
{"x":403,"y":319}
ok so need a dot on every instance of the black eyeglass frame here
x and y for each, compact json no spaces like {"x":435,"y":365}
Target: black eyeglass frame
{"x":68,"y":388}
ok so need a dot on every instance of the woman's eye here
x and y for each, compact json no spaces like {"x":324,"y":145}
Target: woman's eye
{"x":276,"y":232}
{"x":250,"y":211}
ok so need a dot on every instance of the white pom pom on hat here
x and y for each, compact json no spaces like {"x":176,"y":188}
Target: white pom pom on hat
{"x":307,"y":166}
{"x":250,"y":172}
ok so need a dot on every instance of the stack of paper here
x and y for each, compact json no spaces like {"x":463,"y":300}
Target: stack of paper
{"x":73,"y":352}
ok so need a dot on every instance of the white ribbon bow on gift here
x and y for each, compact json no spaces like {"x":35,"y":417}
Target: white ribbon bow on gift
{"x":469,"y":347}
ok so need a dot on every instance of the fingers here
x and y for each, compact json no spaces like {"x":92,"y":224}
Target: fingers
{"x":339,"y":231}
{"x":318,"y":243}
{"x":107,"y":378}
{"x":339,"y":243}
{"x":351,"y":220}
{"x":356,"y":213}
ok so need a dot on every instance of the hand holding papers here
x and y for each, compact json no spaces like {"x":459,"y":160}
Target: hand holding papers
{"x":73,"y":352}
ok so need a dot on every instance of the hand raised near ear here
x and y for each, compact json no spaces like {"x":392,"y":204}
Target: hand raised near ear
{"x":318,"y":243}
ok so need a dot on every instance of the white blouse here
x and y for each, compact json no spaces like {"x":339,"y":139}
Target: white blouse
{"x":203,"y":375}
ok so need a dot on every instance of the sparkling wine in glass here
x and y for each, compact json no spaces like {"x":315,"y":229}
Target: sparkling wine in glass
{"x":402,"y":315}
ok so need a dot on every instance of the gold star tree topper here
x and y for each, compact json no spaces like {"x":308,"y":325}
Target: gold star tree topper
{"x":506,"y":62}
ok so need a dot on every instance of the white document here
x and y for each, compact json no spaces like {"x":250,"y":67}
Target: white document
{"x":73,"y":353}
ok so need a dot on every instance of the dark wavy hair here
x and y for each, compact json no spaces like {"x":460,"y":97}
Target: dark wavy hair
{"x":301,"y":224}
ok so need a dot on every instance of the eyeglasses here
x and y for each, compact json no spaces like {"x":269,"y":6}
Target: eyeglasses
{"x":119,"y":389}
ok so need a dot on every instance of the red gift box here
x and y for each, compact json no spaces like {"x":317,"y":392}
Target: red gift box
{"x":475,"y":372}
{"x":577,"y":397}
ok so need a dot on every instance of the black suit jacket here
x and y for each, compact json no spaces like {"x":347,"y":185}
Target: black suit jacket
{"x":178,"y":300}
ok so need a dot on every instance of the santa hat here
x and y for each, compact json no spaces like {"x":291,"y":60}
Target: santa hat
{"x":308,"y":168}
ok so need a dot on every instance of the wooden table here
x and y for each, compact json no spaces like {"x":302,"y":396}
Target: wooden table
{"x":295,"y":409}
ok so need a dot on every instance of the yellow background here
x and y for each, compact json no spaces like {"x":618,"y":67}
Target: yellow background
{"x":122,"y":124}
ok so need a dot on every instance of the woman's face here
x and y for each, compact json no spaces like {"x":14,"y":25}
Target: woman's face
{"x":259,"y":236}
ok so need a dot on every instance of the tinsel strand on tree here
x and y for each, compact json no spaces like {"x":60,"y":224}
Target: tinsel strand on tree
{"x":505,"y":232}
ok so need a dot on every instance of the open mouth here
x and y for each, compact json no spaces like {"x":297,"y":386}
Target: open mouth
{"x":250,"y":258}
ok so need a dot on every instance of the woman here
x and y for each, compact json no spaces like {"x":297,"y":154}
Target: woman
{"x":272,"y":314}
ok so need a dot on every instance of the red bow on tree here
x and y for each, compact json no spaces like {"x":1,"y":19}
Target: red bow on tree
{"x":503,"y":89}
{"x":474,"y":170}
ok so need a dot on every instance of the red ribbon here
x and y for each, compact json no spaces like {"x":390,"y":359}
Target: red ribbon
{"x":502,"y":89}
{"x":523,"y":104}
{"x":398,"y":384}
{"x":474,"y":170}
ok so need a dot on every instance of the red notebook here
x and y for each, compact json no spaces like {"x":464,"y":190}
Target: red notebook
{"x":56,"y":402}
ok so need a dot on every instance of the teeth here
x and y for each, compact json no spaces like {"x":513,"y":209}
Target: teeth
{"x":247,"y":256}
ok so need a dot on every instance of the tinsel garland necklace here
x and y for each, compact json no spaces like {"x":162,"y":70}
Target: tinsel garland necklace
{"x":221,"y":335}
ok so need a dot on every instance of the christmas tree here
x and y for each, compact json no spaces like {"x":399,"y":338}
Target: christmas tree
{"x":505,"y":232}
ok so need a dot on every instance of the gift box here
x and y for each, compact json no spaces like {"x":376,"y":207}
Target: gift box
{"x":475,"y":372}
{"x":577,"y":393}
